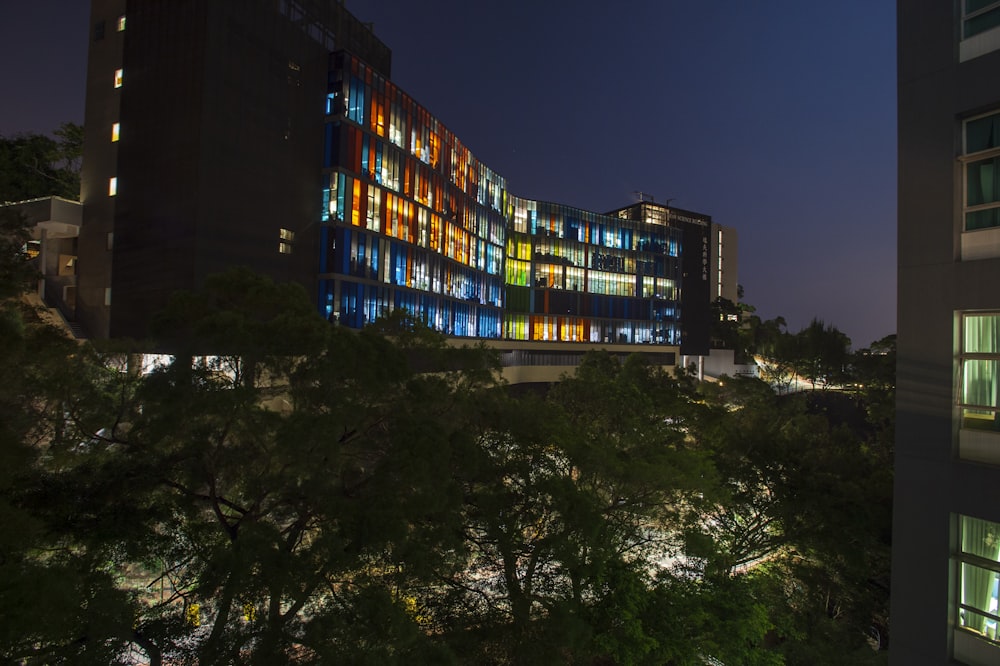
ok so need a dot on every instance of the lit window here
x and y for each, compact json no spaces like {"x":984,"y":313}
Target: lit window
{"x":107,"y":295}
{"x":119,"y":74}
{"x":284,"y":248}
{"x":979,"y":16}
{"x":286,"y":234}
{"x":980,"y":356}
{"x":112,"y":186}
{"x":121,"y":23}
{"x":115,"y":129}
{"x":978,"y":559}
{"x":982,"y":172}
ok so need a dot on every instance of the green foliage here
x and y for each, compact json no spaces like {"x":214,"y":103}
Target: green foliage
{"x":16,"y":274}
{"x":821,"y":353}
{"x":35,"y":165}
{"x":312,"y":494}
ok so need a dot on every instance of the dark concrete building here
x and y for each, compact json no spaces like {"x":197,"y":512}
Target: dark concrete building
{"x":203,"y":146}
{"x":946,"y":528}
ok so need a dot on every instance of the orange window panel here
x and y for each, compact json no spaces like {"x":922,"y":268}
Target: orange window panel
{"x":435,"y":149}
{"x":355,"y":204}
{"x":434,"y":240}
{"x":390,"y":212}
{"x":411,"y":223}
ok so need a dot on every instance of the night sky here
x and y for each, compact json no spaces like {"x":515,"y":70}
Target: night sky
{"x":776,"y":117}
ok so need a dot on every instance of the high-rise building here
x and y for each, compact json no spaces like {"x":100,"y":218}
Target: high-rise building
{"x":946,"y":526}
{"x":269,"y":134}
{"x":203,"y":146}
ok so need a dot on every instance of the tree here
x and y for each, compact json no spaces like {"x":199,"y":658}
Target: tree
{"x":59,"y":600}
{"x":774,"y":351}
{"x":873,"y":370}
{"x":313,"y":494}
{"x":35,"y":165}
{"x":231,"y":514}
{"x":725,"y":325}
{"x":808,"y":509}
{"x":821,"y":353}
{"x":16,"y":274}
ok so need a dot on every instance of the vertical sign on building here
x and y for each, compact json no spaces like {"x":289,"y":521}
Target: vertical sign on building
{"x":695,"y":283}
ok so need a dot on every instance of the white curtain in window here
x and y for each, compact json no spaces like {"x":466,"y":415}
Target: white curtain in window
{"x":981,"y":334}
{"x":979,"y":383}
{"x":979,"y":376}
{"x":980,"y":538}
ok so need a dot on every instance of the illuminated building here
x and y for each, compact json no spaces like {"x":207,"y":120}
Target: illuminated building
{"x":291,"y":151}
{"x":946,"y":522}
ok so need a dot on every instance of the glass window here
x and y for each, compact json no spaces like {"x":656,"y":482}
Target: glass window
{"x":982,"y":133}
{"x":980,"y":16}
{"x":119,"y":75}
{"x":980,"y":356}
{"x":115,"y":131}
{"x":979,"y":575}
{"x":112,"y":186}
{"x":121,"y":23}
{"x":982,"y":174}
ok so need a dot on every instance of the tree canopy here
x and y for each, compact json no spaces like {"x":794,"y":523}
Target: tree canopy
{"x":37,"y":165}
{"x":310,"y":494}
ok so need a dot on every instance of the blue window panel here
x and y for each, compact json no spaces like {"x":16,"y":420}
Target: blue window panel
{"x":341,"y":191}
{"x":356,"y":103}
{"x":350,"y":314}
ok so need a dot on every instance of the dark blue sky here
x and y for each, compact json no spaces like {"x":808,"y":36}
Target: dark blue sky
{"x":776,"y":117}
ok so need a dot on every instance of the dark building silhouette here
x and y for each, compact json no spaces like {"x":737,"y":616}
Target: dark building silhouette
{"x":946,"y":526}
{"x":206,"y":119}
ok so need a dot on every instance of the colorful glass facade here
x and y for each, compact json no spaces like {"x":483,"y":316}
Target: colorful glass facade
{"x":411,"y":219}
